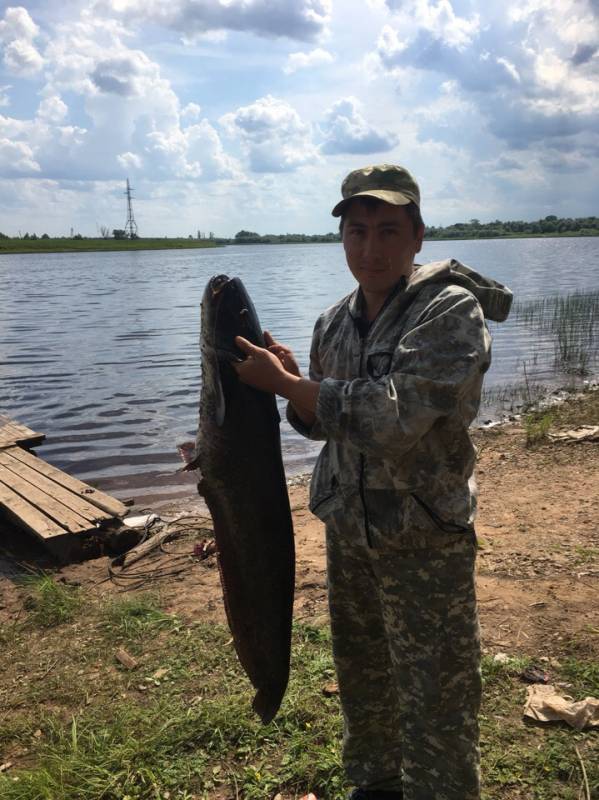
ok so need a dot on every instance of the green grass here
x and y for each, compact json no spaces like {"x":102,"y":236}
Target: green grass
{"x":85,"y":245}
{"x":50,"y":603}
{"x":180,"y":724}
{"x":581,"y":410}
{"x":135,"y":615}
{"x":537,"y":426}
{"x":573,"y":321}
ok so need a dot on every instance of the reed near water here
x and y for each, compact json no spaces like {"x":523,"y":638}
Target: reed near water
{"x":572,"y":320}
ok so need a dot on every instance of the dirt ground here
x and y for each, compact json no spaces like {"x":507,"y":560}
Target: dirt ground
{"x":538,"y":564}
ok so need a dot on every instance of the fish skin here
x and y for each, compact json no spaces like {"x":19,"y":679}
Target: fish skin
{"x":238,"y":452}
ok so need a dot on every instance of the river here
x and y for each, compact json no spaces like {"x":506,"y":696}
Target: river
{"x":100,"y":350}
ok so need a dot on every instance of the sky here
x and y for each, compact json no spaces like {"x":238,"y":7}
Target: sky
{"x":247,"y":114}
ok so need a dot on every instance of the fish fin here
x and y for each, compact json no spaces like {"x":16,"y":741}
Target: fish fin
{"x":221,"y":406}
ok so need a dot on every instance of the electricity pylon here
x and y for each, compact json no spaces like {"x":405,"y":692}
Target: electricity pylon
{"x":131,"y":224}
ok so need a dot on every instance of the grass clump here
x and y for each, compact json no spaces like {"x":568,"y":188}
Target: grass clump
{"x":572,"y":321}
{"x":135,"y":615}
{"x":50,"y":603}
{"x":537,"y":426}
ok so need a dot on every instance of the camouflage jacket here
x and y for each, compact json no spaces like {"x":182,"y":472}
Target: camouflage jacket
{"x":395,"y":405}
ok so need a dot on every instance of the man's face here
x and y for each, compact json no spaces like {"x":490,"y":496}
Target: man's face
{"x":380,"y":245}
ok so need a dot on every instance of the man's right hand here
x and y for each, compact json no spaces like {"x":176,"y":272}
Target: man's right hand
{"x":283,"y":353}
{"x":287,"y":359}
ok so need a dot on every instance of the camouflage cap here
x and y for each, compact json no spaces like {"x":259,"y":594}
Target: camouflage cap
{"x":388,"y":182}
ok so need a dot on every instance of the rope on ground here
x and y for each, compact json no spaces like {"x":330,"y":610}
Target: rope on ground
{"x":120,"y":569}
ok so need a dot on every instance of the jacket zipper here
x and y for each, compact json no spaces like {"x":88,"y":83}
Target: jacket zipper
{"x":363,"y":465}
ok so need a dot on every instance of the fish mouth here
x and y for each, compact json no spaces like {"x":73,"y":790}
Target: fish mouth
{"x":218,"y":283}
{"x":233,"y":314}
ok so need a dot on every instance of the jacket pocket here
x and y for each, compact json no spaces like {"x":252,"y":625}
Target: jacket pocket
{"x":403,"y":521}
{"x":443,"y":525}
{"x":325,"y":502}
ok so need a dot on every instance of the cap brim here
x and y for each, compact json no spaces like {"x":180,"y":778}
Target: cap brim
{"x":393,"y":198}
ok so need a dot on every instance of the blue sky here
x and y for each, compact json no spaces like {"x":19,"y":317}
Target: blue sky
{"x":230,"y":114}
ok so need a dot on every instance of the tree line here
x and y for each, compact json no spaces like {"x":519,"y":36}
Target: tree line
{"x":548,"y":226}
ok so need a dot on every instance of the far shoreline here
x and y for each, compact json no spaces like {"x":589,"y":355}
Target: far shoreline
{"x":40,"y":247}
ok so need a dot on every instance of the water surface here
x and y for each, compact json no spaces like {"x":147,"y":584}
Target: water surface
{"x":100,"y":350}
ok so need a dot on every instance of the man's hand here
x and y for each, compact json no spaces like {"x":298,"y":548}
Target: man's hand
{"x":265,"y":370}
{"x":283,"y":353}
{"x":261,"y":369}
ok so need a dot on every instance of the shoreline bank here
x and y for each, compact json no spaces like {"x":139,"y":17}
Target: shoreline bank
{"x":117,"y":245}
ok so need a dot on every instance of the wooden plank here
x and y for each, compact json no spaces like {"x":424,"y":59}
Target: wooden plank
{"x":76,"y":503}
{"x":10,"y":428}
{"x":10,"y":425}
{"x":67,"y":519}
{"x":12,"y":432}
{"x":26,"y":515}
{"x":93,"y":496}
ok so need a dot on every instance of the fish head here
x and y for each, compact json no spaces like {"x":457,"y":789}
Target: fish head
{"x":227,"y":312}
{"x":230,"y":313}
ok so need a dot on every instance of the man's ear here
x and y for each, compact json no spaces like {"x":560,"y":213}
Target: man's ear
{"x":420,"y":237}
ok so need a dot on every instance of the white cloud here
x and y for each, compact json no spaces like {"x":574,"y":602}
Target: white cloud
{"x":129,"y":161}
{"x":52,"y":109}
{"x":272,"y":134}
{"x":510,"y":69}
{"x":192,"y":152}
{"x":18,"y":32}
{"x":134,"y":118}
{"x":17,"y":158}
{"x":21,"y":58}
{"x":17,"y":24}
{"x":4,"y":98}
{"x":191,"y":112}
{"x":523,"y":76}
{"x":305,"y":20}
{"x":346,"y":131}
{"x":314,"y":58}
{"x":438,"y":19}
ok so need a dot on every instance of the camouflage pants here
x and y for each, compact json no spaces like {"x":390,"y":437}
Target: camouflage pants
{"x":407,"y":654}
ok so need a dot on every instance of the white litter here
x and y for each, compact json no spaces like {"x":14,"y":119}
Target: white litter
{"x":140,"y":520}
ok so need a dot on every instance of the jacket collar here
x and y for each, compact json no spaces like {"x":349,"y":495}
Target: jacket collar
{"x":355,"y":305}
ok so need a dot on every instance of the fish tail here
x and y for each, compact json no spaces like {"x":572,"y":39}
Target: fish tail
{"x":266,"y":705}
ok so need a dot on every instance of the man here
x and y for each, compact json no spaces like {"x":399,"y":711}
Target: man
{"x":396,"y":371}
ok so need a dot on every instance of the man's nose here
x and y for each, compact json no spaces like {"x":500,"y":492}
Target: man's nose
{"x":370,"y":244}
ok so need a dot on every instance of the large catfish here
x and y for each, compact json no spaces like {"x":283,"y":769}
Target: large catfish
{"x":238,"y":452}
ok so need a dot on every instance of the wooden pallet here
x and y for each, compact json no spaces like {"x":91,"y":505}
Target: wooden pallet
{"x":12,"y":433}
{"x":48,"y":502}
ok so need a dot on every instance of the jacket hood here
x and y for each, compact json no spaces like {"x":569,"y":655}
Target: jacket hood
{"x":494,"y":298}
